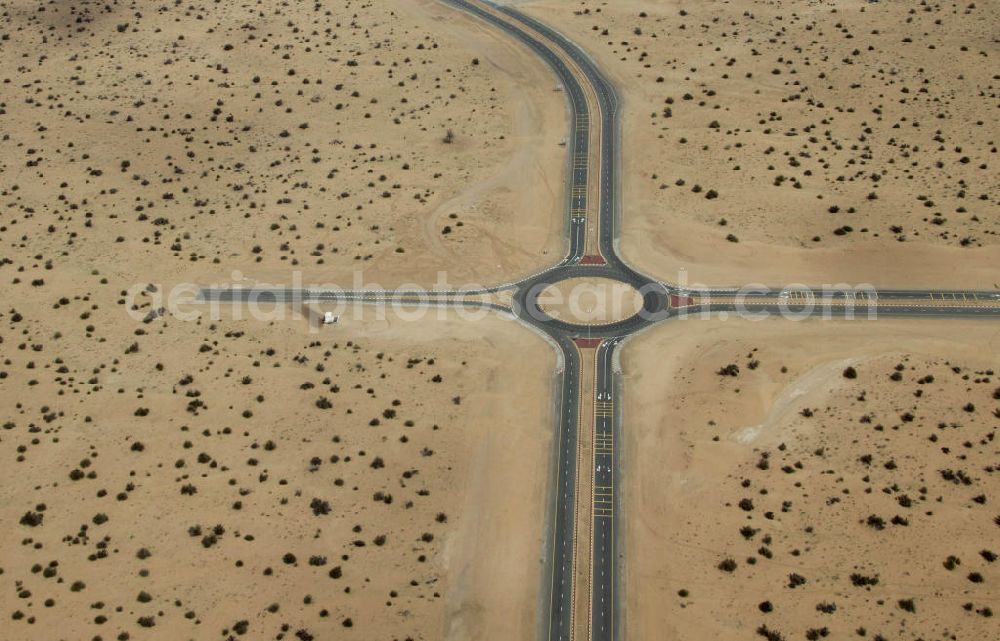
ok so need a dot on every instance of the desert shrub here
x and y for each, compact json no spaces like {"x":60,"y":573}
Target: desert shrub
{"x":860,"y":580}
{"x":727,"y":565}
{"x":32,"y":519}
{"x":769,"y":634}
{"x":319,"y":506}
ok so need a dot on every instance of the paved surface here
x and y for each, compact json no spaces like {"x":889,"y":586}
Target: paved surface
{"x":605,"y":499}
{"x":559,"y":617}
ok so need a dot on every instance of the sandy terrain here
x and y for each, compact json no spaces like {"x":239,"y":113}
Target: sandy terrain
{"x":202,"y":138}
{"x":359,"y":477}
{"x":384,"y":479}
{"x":806,"y":497}
{"x":590,"y":300}
{"x":802,"y":141}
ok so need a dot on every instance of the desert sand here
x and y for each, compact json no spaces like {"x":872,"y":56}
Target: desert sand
{"x":813,"y":142}
{"x":195,"y":479}
{"x":231,"y":477}
{"x":839,"y":482}
{"x":202,"y":139}
{"x":244,"y":475}
{"x":590,"y":301}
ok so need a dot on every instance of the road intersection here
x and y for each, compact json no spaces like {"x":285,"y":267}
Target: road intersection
{"x":594,"y":115}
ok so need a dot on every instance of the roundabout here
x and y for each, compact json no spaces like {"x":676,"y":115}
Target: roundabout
{"x":571,"y":301}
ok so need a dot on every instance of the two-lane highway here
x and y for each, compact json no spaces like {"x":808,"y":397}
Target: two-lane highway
{"x":798,"y":302}
{"x":605,"y":500}
{"x":561,"y":563}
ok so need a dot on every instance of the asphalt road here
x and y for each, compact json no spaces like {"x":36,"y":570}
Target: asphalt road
{"x":559,"y":617}
{"x":792,"y":311}
{"x":561,"y":561}
{"x":840,"y":302}
{"x":604,"y":542}
{"x":859,"y":292}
